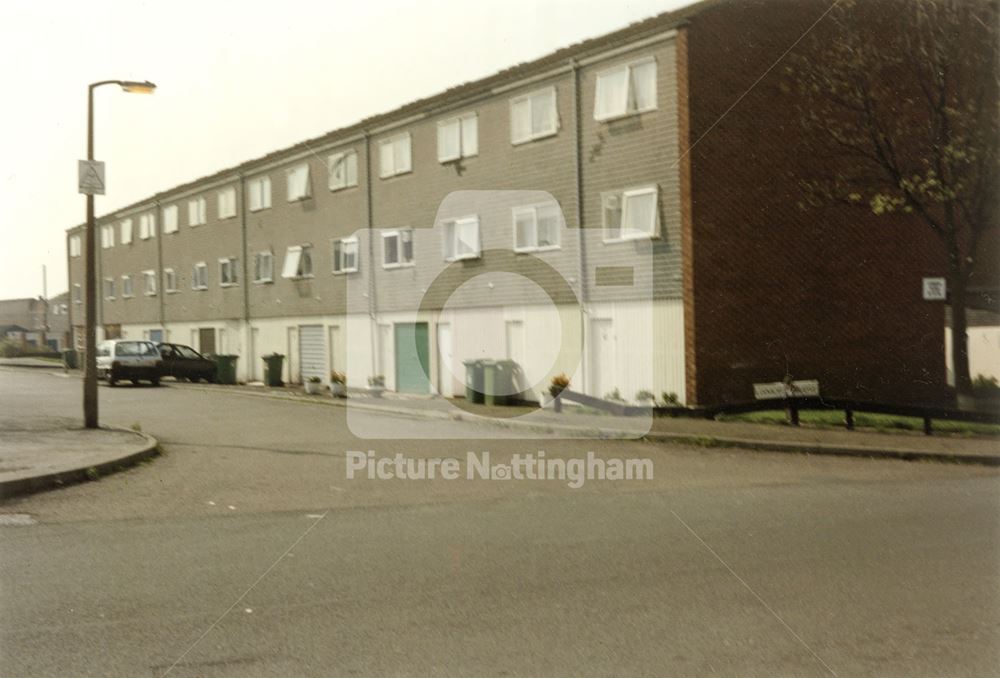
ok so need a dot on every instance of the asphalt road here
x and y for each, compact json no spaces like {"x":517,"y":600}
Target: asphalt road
{"x":245,"y":551}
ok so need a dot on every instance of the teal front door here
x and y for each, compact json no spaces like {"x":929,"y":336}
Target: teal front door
{"x":412,"y":361}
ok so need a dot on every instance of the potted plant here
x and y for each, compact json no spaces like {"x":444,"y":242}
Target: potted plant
{"x":313,"y":385}
{"x":559,"y":383}
{"x":338,"y":384}
{"x":376,"y":385}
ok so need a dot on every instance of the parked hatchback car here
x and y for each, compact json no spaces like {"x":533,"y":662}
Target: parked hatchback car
{"x":184,"y":363}
{"x":120,"y":359}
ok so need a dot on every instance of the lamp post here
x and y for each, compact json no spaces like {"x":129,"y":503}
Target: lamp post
{"x":90,"y":281}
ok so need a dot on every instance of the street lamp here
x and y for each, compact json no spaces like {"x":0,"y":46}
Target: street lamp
{"x":90,"y":282}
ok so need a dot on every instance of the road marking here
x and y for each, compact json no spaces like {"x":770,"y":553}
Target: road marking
{"x":314,"y":516}
{"x":244,"y":595}
{"x":754,"y":593}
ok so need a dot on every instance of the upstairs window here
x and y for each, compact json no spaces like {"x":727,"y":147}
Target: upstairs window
{"x":127,"y":291}
{"x":149,"y":283}
{"x":394,"y":156}
{"x":263,"y":267}
{"x":77,"y":294}
{"x":536,"y":227}
{"x":298,"y":182}
{"x":625,"y":90}
{"x":228,"y":271}
{"x":197,"y":212}
{"x":397,"y":248}
{"x":199,"y":276}
{"x":298,"y":262}
{"x":259,"y":190}
{"x":345,"y":255}
{"x":109,"y":289}
{"x":343,"y":170}
{"x":107,"y":236}
{"x":458,"y":138}
{"x":533,"y":116}
{"x":631,"y":214}
{"x":147,"y":226}
{"x":227,"y":203}
{"x":170,"y":219}
{"x":125,"y":231}
{"x":461,"y":239}
{"x":74,"y":246}
{"x":169,"y":280}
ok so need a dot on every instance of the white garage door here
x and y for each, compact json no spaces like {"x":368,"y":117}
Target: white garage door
{"x":312,"y":352}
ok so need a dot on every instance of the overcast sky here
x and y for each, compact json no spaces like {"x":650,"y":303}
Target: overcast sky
{"x":235,"y":80}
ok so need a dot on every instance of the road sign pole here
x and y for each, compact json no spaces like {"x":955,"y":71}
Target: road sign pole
{"x":90,"y":283}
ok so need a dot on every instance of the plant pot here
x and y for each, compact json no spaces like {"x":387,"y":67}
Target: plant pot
{"x":313,"y":387}
{"x":376,"y":391}
{"x":337,"y":389}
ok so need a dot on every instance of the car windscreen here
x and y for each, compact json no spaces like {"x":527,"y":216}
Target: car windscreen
{"x":135,"y":348}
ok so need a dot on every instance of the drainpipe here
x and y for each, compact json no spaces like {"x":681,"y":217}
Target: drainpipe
{"x":247,"y":331}
{"x":370,"y":270}
{"x":161,"y":291}
{"x":582,"y":259}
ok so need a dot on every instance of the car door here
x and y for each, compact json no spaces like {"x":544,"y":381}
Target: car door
{"x":169,"y":357}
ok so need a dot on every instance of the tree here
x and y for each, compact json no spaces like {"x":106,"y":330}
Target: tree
{"x":904,"y":96}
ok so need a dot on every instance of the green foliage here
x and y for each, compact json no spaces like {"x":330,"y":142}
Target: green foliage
{"x":670,"y":399}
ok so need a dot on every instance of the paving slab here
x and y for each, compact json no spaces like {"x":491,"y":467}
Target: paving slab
{"x":40,"y":453}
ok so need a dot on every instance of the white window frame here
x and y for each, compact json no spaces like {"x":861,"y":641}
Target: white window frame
{"x":530,"y":98}
{"x":623,"y":197}
{"x":339,"y":170}
{"x":257,"y":278}
{"x":397,"y":233}
{"x":631,"y":107}
{"x":74,"y":246}
{"x":338,"y":250}
{"x":107,"y":236}
{"x":77,"y":293}
{"x":197,"y":211}
{"x":232,"y":277}
{"x":199,"y":276}
{"x":293,"y":268}
{"x":259,"y":193}
{"x":125,"y":231}
{"x":170,"y":220}
{"x":451,"y":231}
{"x":293,"y":174}
{"x":467,"y":124}
{"x":108,"y":288}
{"x":397,"y":167}
{"x":128,"y":288}
{"x":147,"y":289}
{"x":169,"y":281}
{"x":533,"y":211}
{"x":147,"y":225}
{"x":226,"y":202}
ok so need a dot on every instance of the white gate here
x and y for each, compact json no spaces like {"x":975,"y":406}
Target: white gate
{"x":312,"y":352}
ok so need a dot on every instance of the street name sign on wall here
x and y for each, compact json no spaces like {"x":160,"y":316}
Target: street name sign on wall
{"x":90,"y":177}
{"x":935,"y":289}
{"x":779,"y":390}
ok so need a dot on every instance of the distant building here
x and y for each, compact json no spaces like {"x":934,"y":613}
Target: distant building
{"x":35,"y":323}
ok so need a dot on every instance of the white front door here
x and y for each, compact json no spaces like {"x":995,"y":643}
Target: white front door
{"x":446,"y":366}
{"x":602,"y":358}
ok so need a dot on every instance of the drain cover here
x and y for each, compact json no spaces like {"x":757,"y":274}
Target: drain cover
{"x":16,"y":519}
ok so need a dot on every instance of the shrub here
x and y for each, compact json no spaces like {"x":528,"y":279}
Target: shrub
{"x":338,"y":377}
{"x":377,"y":380}
{"x":985,"y":387}
{"x":644,"y":396}
{"x":670,"y":399}
{"x":560,"y":383}
{"x":314,"y":380}
{"x":615,"y":395}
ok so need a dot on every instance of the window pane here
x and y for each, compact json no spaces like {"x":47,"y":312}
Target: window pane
{"x":401,"y":154}
{"x":520,"y":120}
{"x":449,"y":141}
{"x":351,"y":255}
{"x":352,"y":169}
{"x":643,"y":88}
{"x":612,"y":217}
{"x":406,"y":237}
{"x":543,"y":114}
{"x":254,"y":195}
{"x":524,"y":229}
{"x":612,"y":94}
{"x":291,"y":268}
{"x":385,"y":154}
{"x":306,"y":264}
{"x":467,"y":238}
{"x":338,"y":174}
{"x":470,"y":135}
{"x":391,"y":249}
{"x":548,"y":226}
{"x":639,"y":214}
{"x":265,"y":191}
{"x":337,"y":254}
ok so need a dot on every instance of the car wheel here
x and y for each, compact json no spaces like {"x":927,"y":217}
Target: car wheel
{"x":155,"y":381}
{"x":111,"y":379}
{"x":135,"y":382}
